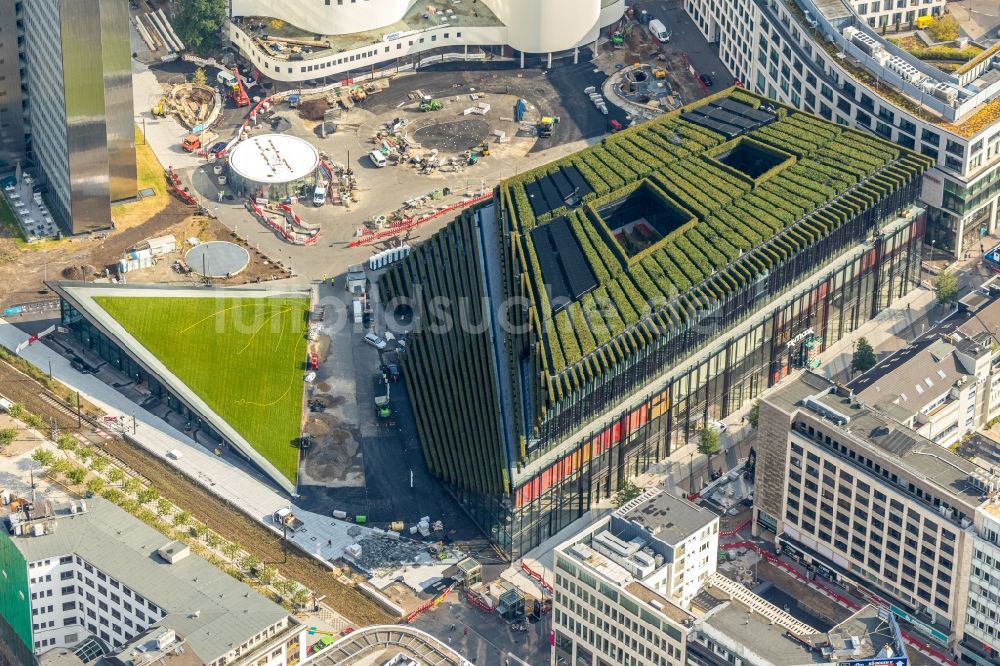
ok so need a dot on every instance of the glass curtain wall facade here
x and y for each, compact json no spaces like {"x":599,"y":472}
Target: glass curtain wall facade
{"x":729,"y":373}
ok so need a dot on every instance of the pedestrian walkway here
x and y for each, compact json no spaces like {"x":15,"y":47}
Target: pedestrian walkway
{"x":322,"y":537}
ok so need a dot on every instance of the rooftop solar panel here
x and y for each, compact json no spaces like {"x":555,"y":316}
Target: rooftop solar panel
{"x":745,"y":110}
{"x":577,"y":180}
{"x":724,"y":129}
{"x":724,"y":116}
{"x":551,"y":194}
{"x":536,"y":199}
{"x":562,"y":184}
{"x":552,"y":274}
{"x":578,"y":274}
{"x":565,"y":270}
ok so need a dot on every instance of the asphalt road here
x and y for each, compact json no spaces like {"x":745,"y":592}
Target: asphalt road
{"x":687,"y":39}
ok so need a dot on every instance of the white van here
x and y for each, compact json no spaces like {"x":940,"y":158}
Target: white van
{"x":226,"y":78}
{"x":319,"y":194}
{"x":377,"y":158}
{"x":659,"y":31}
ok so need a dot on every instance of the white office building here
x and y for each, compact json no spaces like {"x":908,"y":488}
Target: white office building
{"x":623,"y":586}
{"x":982,"y":644}
{"x":305,"y":40}
{"x":89,"y":569}
{"x":825,"y":57}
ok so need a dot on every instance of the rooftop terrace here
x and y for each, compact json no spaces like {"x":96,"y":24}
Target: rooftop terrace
{"x":964,"y":100}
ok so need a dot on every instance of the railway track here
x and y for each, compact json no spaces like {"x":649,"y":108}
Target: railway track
{"x":225,"y":519}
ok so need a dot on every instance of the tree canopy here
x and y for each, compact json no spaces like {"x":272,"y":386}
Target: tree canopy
{"x":946,"y":288}
{"x":864,"y":356}
{"x":199,"y":24}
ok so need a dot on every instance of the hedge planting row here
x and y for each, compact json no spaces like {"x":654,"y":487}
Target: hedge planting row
{"x":739,"y":227}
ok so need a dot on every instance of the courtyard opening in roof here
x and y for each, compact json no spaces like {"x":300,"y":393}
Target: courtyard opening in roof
{"x":643,"y":218}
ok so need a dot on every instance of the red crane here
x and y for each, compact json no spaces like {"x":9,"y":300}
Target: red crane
{"x":237,"y":92}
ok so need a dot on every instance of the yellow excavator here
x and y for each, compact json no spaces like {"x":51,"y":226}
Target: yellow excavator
{"x":159,"y":109}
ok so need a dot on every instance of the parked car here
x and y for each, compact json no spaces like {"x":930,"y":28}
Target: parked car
{"x":718,"y":426}
{"x":391,"y":370}
{"x":217,"y":148}
{"x":707,"y":80}
{"x":346,"y":630}
{"x":375,"y":341}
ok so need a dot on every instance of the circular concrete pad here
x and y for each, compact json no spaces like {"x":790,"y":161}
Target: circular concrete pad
{"x":454,"y":136}
{"x":217,"y":259}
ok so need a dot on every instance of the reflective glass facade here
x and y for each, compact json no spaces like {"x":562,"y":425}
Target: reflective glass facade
{"x":729,"y":371}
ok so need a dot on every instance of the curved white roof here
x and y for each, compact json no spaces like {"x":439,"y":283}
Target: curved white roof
{"x":274,"y":158}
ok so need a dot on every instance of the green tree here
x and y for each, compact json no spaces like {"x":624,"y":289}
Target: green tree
{"x":709,"y":444}
{"x":163,"y":506}
{"x":301,"y":597}
{"x":231,"y":550}
{"x":197,"y":530}
{"x":182,"y":518}
{"x":199,"y":78}
{"x":76,"y":475}
{"x":944,"y":28}
{"x":213,"y":540}
{"x":7,"y":435}
{"x":147,"y":495}
{"x":115,"y":475}
{"x":753,"y":416}
{"x":66,"y":443}
{"x":44,"y":457}
{"x":864,"y":356}
{"x":33,"y":420}
{"x":199,"y":23}
{"x":95,"y":485}
{"x":628,"y":492}
{"x":16,"y":410}
{"x":946,"y":288}
{"x":99,"y":464}
{"x":266,"y":575}
{"x":131,"y":486}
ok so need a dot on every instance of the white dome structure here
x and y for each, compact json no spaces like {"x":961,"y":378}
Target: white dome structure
{"x":274,"y":166}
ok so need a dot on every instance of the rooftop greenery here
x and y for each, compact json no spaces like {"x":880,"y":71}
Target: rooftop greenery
{"x":751,"y":202}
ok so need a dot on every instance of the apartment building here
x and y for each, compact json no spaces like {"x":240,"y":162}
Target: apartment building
{"x":623,"y":586}
{"x":88,"y":569}
{"x":869,"y":501}
{"x":828,"y":59}
{"x":66,"y":104}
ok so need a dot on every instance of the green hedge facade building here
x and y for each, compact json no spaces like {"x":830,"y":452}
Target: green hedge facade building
{"x":603,"y":307}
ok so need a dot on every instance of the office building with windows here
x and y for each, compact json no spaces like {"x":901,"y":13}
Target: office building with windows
{"x":870,"y":502}
{"x":981,"y":645}
{"x":66,"y":105}
{"x":335,"y":37}
{"x":639,"y":289}
{"x":945,"y":387}
{"x":622,"y":587}
{"x":830,"y":59}
{"x":89,"y":569}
